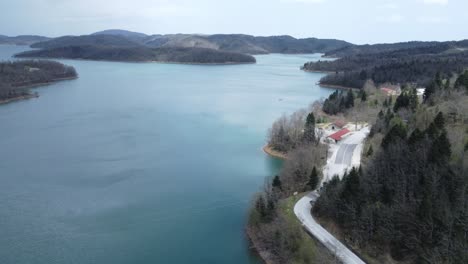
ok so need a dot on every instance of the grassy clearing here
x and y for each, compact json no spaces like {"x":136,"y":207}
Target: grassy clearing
{"x":306,"y":253}
{"x":310,"y":250}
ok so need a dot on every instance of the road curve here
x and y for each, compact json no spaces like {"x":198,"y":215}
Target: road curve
{"x":302,"y":209}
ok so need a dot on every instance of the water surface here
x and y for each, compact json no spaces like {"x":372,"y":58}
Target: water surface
{"x":142,"y":162}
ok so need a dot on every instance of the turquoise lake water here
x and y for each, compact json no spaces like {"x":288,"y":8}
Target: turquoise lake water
{"x":142,"y":162}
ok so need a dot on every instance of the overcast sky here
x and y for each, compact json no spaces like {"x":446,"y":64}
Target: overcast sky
{"x":357,"y":21}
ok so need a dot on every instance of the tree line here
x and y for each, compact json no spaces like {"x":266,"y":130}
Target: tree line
{"x":139,"y":54}
{"x":16,"y":76}
{"x":410,"y":197}
{"x":281,"y":236}
{"x":415,"y":65}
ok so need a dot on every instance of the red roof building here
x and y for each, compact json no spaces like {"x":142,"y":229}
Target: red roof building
{"x":389,"y":91}
{"x":339,"y":123}
{"x":339,"y":135}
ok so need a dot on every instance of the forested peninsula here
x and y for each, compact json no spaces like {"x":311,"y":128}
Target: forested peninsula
{"x":18,"y":76}
{"x":413,"y":62}
{"x":407,"y":201}
{"x":141,"y":54}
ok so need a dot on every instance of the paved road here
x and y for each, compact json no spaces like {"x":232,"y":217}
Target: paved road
{"x":302,"y":210}
{"x":345,"y":154}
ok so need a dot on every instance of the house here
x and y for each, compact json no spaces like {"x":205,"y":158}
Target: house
{"x":339,"y":124}
{"x":338,"y":136}
{"x":420,"y":91}
{"x":389,"y":91}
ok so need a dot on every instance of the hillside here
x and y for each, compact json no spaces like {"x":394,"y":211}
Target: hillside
{"x":408,"y":65}
{"x":389,"y":47}
{"x":408,"y":202}
{"x":140,"y":54}
{"x":224,"y":42}
{"x":98,"y":40}
{"x":120,"y":32}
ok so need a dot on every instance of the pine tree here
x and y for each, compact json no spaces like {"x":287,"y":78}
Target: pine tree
{"x":398,"y":131}
{"x":276,"y":182}
{"x":309,"y":129}
{"x":381,"y":114}
{"x":352,"y":185}
{"x":441,"y":149}
{"x":462,"y":81}
{"x":432,"y":131}
{"x":413,"y":99}
{"x":260,"y":207}
{"x":439,"y":120}
{"x":415,"y":137}
{"x":438,"y":79}
{"x":313,"y":180}
{"x":370,"y":151}
{"x":349,"y":99}
{"x":430,"y":90}
{"x":363,"y":96}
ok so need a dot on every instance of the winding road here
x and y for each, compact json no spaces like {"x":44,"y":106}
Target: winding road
{"x":346,"y":154}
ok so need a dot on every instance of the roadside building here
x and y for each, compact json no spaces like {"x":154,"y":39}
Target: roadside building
{"x":338,"y":136}
{"x":339,"y":124}
{"x":420,"y":91}
{"x":389,"y":91}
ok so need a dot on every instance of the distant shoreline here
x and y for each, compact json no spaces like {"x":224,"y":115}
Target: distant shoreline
{"x":18,"y":98}
{"x":316,"y":71}
{"x":201,"y":63}
{"x":146,"y":61}
{"x":331,"y":86}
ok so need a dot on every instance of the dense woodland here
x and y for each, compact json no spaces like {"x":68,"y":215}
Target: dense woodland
{"x":407,"y":203}
{"x":410,"y":197}
{"x":389,"y":47}
{"x":272,"y":226}
{"x":17,"y":76}
{"x":410,"y":65}
{"x":140,"y":54}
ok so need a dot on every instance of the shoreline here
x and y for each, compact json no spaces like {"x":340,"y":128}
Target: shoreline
{"x":317,"y":71}
{"x":18,"y":98}
{"x":30,"y":86}
{"x":263,"y":254}
{"x":331,"y":86}
{"x":45,"y":83}
{"x":143,"y":61}
{"x":273,"y":153}
{"x":201,"y":63}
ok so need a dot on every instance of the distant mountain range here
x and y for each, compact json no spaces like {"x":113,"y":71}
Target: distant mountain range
{"x":122,"y":45}
{"x":223,"y":42}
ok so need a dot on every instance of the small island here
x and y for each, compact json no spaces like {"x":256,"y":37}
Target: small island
{"x":17,"y":77}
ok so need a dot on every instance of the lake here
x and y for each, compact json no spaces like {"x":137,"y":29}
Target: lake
{"x":142,"y":162}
